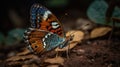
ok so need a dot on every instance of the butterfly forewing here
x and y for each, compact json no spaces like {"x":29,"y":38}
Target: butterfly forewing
{"x":42,"y":18}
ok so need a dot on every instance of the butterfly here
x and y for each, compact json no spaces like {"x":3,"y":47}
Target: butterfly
{"x":46,"y":32}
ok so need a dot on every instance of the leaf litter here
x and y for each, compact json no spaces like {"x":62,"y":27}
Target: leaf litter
{"x":97,"y":53}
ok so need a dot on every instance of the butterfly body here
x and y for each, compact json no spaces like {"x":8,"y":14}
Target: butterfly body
{"x":46,"y":32}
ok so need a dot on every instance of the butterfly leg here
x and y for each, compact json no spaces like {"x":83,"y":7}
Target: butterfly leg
{"x":57,"y":54}
{"x":68,"y":43}
{"x":67,"y":52}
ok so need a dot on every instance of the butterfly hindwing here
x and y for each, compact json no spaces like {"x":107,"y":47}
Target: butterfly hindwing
{"x":42,"y":18}
{"x":40,"y":41}
{"x":52,"y":40}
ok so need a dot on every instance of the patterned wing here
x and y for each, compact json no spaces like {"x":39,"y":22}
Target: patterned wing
{"x":42,"y":18}
{"x":40,"y":41}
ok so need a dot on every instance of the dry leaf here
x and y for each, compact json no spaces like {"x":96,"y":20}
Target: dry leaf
{"x":101,"y":31}
{"x":25,"y":52}
{"x":30,"y":65}
{"x":20,"y":60}
{"x":15,"y":63}
{"x":53,"y":66}
{"x":58,"y":60}
{"x":78,"y":36}
{"x":17,"y":58}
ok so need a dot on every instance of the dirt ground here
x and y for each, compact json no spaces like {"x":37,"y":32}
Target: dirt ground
{"x":98,"y":52}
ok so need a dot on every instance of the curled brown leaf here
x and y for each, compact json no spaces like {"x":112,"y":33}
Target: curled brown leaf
{"x":101,"y":31}
{"x":77,"y":38}
{"x":58,"y":60}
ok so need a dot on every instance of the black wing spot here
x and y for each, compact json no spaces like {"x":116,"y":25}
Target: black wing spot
{"x":36,"y":46}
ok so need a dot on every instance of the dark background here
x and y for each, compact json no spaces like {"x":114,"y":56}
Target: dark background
{"x":22,"y":8}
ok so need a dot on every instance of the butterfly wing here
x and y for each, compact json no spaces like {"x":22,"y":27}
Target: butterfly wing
{"x":46,"y":32}
{"x":41,"y":41}
{"x":42,"y":18}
